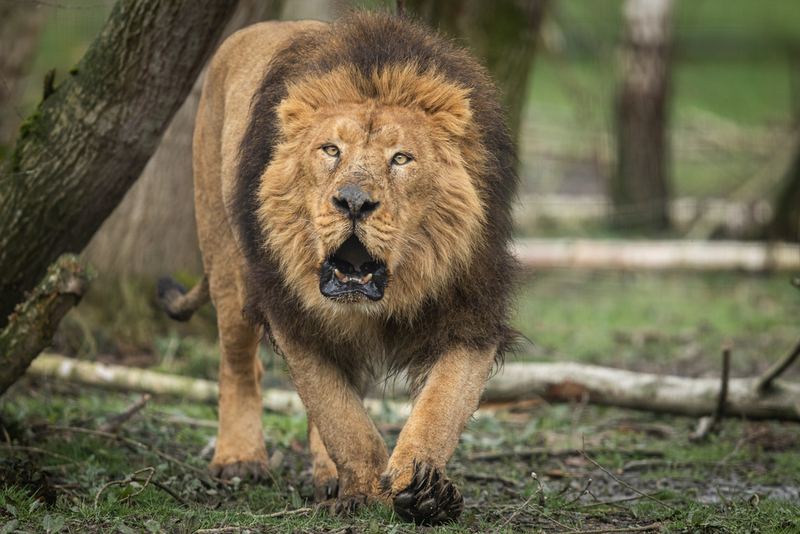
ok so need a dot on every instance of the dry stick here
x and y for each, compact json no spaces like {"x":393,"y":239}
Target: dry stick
{"x":147,"y":481}
{"x":615,"y":502}
{"x":284,"y":513}
{"x":604,"y":470}
{"x":126,"y":480}
{"x":142,"y":446}
{"x":708,"y":424}
{"x":542,"y":451}
{"x":40,"y":451}
{"x":777,"y":368}
{"x":521,"y":508}
{"x":480,"y":477}
{"x":654,"y":526}
{"x":723,"y":392}
{"x":115,"y":424}
{"x":581,"y":493}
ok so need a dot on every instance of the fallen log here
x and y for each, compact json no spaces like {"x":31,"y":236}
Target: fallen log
{"x":644,"y":391}
{"x":551,"y":381}
{"x":31,"y":327}
{"x":658,"y":255}
{"x":53,"y":366}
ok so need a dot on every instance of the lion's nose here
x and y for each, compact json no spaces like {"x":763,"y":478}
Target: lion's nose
{"x":354,"y":202}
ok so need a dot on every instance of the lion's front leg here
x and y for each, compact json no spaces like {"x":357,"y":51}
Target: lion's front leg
{"x":415,"y":477}
{"x":240,"y":450}
{"x":345,"y":431}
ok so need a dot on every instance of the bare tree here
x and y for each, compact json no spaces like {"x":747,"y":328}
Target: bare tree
{"x":502,"y":33}
{"x":91,"y":137}
{"x":20,"y":25}
{"x":153,"y":230}
{"x":640,"y":188}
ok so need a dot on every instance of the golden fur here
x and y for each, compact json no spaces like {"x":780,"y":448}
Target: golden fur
{"x":321,"y":147}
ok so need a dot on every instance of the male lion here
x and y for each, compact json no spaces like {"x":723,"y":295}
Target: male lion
{"x":353,"y":184}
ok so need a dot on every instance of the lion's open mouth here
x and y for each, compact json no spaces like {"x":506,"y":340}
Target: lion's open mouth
{"x":352,"y":270}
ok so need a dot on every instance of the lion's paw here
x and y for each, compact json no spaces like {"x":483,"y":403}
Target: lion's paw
{"x":253,"y":471}
{"x":347,"y":504}
{"x":430,"y":498}
{"x":326,"y":489}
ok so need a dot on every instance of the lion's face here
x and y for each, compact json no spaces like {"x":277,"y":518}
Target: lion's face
{"x":368,"y":205}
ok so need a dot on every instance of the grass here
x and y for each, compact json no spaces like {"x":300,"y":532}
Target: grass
{"x":674,"y":323}
{"x":707,"y":486}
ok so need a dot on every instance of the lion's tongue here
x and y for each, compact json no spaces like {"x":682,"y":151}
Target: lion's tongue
{"x":354,"y":253}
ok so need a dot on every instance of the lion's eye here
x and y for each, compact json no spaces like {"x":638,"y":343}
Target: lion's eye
{"x":331,"y":150}
{"x":401,"y":159}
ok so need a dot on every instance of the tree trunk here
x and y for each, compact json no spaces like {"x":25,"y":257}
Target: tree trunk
{"x":640,"y":188}
{"x":89,"y":140}
{"x":502,"y":33}
{"x":31,"y":327}
{"x":153,"y":230}
{"x":20,"y":25}
{"x":786,"y":222}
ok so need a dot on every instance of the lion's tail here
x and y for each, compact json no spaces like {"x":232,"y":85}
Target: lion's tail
{"x":177,"y":302}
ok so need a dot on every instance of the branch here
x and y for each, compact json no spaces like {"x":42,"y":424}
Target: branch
{"x":765,"y":382}
{"x":86,"y":144}
{"x":708,"y":424}
{"x":32,"y":325}
{"x":115,"y":424}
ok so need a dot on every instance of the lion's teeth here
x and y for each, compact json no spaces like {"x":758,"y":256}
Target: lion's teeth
{"x":366,"y":279}
{"x":339,"y":275}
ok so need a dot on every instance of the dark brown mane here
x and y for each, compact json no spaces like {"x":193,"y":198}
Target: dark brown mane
{"x":369,"y":43}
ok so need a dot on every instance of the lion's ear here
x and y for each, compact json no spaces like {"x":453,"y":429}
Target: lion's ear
{"x":295,"y":115}
{"x":449,"y":108}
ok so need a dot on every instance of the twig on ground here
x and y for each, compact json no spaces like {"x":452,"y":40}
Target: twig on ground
{"x":481,"y":477}
{"x":221,"y":530}
{"x":115,"y":424}
{"x":284,"y":512}
{"x":581,"y":493}
{"x":180,"y":419}
{"x":645,"y":495}
{"x":146,"y":482}
{"x":524,"y":504}
{"x":654,"y":526}
{"x":39,"y":451}
{"x":709,"y":424}
{"x":777,"y":368}
{"x":543,"y":451}
{"x":144,"y":446}
{"x":616,"y":501}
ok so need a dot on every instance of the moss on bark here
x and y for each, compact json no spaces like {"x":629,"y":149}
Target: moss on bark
{"x":90,"y":139}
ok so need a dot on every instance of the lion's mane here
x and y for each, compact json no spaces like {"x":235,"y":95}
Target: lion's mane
{"x":395,"y":62}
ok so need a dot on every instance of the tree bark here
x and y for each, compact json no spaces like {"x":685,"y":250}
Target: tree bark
{"x":785,"y":224}
{"x":640,"y":188}
{"x":502,"y":33}
{"x":33,"y":323}
{"x":20,"y":26}
{"x":153,"y":230}
{"x":90,"y":139}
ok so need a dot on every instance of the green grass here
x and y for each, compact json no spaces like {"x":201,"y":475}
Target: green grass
{"x":674,"y":323}
{"x":549,"y":503}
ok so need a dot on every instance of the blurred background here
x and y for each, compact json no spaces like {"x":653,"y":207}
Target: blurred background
{"x":635,"y":119}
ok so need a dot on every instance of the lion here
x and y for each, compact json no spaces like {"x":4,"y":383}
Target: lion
{"x":353,"y":187}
